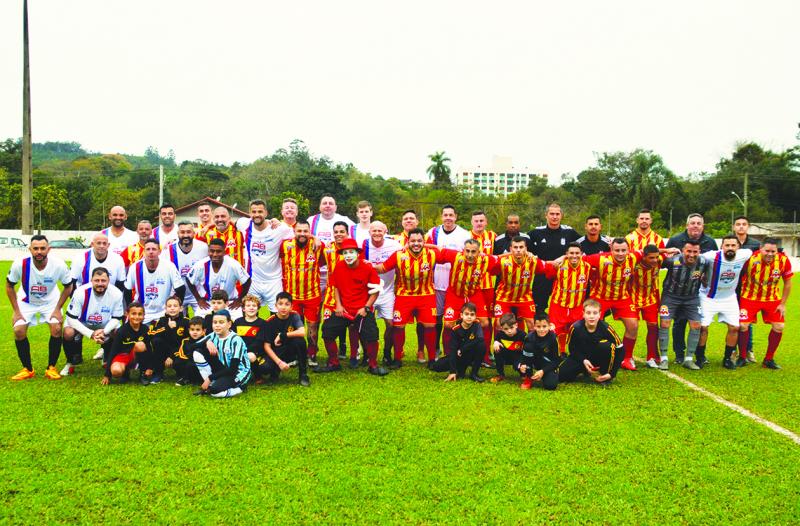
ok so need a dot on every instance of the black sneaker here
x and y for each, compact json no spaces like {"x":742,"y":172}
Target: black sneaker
{"x":182,"y":381}
{"x":741,"y":362}
{"x":679,"y":357}
{"x":144,"y":380}
{"x":378,"y":371}
{"x":395,"y":364}
{"x":77,"y":359}
{"x":770,"y":364}
{"x":123,"y":379}
{"x":477,"y":378}
{"x":327,"y":368}
{"x":353,"y":363}
{"x":201,"y":392}
{"x":727,"y":363}
{"x":430,"y":365}
{"x":305,"y":381}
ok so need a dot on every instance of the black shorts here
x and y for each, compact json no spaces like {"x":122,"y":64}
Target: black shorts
{"x":336,"y":327}
{"x":677,"y":308}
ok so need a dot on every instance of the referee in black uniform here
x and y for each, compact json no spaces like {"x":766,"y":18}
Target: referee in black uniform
{"x":549,"y":242}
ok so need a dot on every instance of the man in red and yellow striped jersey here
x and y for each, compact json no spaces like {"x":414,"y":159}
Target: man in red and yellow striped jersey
{"x":409,"y":222}
{"x":646,"y":298}
{"x":514,"y":292}
{"x":644,"y":235}
{"x":486,"y":239}
{"x":414,"y":293}
{"x":570,"y":284}
{"x":135,"y":252}
{"x":301,"y":259}
{"x":760,"y":293}
{"x":226,"y":231}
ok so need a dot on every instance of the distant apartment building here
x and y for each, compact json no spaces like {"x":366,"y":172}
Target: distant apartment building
{"x":500,"y":178}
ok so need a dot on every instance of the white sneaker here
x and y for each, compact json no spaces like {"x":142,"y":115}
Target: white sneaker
{"x":98,"y":355}
{"x":664,"y":365}
{"x":651,"y":363}
{"x":293,"y":363}
{"x":689,"y":364}
{"x":751,"y":357}
{"x":68,"y":369}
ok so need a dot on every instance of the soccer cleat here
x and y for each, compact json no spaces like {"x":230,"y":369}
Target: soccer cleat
{"x":741,"y":362}
{"x":51,"y":373}
{"x":24,"y":374}
{"x":201,"y":392}
{"x":305,"y":381}
{"x":751,"y":357}
{"x":155,"y":379}
{"x":312,"y":361}
{"x":327,"y":368}
{"x":497,"y":379}
{"x":689,"y":364}
{"x":98,"y":355}
{"x":679,"y":356}
{"x":421,"y":357}
{"x":652,"y":364}
{"x":182,"y":381}
{"x":770,"y":364}
{"x":628,"y":364}
{"x":727,"y":363}
{"x":144,"y":380}
{"x":395,"y":364}
{"x":664,"y":364}
{"x":68,"y":370}
{"x":526,"y":383}
{"x":488,"y":365}
{"x":353,"y":363}
{"x":475,"y":377}
{"x":293,"y":363}
{"x":378,"y":371}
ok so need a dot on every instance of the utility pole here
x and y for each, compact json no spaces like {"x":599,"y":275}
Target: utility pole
{"x":160,"y":185}
{"x":27,"y":178}
{"x":746,"y":177}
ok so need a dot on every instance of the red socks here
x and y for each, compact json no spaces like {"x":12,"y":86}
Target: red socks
{"x":353,"y":333}
{"x":772,"y":344}
{"x":562,"y":343}
{"x":399,"y":337}
{"x":744,"y":338}
{"x":628,"y":344}
{"x":372,"y":354}
{"x":652,"y":342}
{"x":430,"y":342}
{"x":487,"y":340}
{"x":333,"y":352}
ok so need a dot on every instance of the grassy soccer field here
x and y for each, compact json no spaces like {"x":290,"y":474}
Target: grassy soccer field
{"x":406,"y":448}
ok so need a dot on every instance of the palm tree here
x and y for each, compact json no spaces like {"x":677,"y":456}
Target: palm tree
{"x":439,"y":171}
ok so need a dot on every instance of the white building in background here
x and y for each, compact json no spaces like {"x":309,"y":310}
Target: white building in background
{"x":499,"y":178}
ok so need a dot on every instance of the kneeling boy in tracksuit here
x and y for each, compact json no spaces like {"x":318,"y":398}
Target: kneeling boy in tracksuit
{"x":466,"y":348}
{"x":285,"y":340}
{"x":540,"y":355}
{"x":594,"y":348}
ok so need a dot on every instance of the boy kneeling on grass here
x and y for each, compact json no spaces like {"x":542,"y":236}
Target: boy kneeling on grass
{"x":285,"y":341}
{"x":166,"y":335}
{"x":466,"y":348}
{"x":508,"y":341}
{"x":222,"y":362}
{"x":540,"y":355}
{"x":182,"y":361}
{"x":594,"y":348}
{"x":131,"y":340}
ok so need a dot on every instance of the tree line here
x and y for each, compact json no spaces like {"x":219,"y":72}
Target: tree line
{"x":74,"y":188}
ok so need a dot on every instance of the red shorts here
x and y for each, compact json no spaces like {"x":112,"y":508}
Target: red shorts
{"x":124,"y":358}
{"x":649,"y":313}
{"x":562,"y":318}
{"x":524,"y":309}
{"x":423,"y":308}
{"x":488,"y":298}
{"x":307,"y":309}
{"x":749,"y":309}
{"x":453,"y":304}
{"x":619,"y":308}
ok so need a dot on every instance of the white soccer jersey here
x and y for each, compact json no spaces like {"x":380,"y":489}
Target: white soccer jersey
{"x":322,"y":228}
{"x":117,"y":244}
{"x":359,"y":234}
{"x":262,"y":248}
{"x":722,"y":275}
{"x":152,"y":289}
{"x":376,"y":255}
{"x":183,"y":261}
{"x":165,"y":238}
{"x":207,"y":280}
{"x":39,"y":287}
{"x":82,"y":267}
{"x":95,"y":311}
{"x":453,"y":240}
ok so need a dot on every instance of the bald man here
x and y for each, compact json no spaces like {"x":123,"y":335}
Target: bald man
{"x":376,"y":250}
{"x":98,"y":255}
{"x":119,"y":237}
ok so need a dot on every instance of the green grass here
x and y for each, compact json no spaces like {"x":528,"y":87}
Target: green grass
{"x":406,"y":448}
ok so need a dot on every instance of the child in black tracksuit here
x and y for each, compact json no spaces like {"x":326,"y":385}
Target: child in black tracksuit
{"x":165,"y":337}
{"x":540,"y":357}
{"x":466,"y":348}
{"x":595,"y":349}
{"x":508,"y":342}
{"x":182,"y":362}
{"x":253,"y":329}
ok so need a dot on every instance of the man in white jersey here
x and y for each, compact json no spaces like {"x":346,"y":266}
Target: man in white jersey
{"x":218,"y":272}
{"x":95,"y":312}
{"x":377,"y":249}
{"x":362,"y":231}
{"x":166,"y":232}
{"x":98,"y":256}
{"x":119,"y":237}
{"x":184,"y":253}
{"x":151,"y":281}
{"x":262,"y":243}
{"x":322,"y":223}
{"x":37,"y":301}
{"x":718,"y":296}
{"x":447,"y":235}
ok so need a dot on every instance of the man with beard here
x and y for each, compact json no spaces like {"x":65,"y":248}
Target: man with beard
{"x":151,"y":281}
{"x":409,"y":222}
{"x":166,"y":232}
{"x":644,"y":235}
{"x":592,"y":241}
{"x":37,"y":301}
{"x":218,"y":271}
{"x":226,"y":231}
{"x":119,"y":237}
{"x":184,"y":253}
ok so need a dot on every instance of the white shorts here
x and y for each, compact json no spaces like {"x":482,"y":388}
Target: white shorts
{"x":235,"y":313}
{"x":384,"y":306}
{"x":726,"y":308}
{"x":266,"y":291}
{"x":35,"y":314}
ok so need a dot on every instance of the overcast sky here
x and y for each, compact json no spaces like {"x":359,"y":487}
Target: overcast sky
{"x":382,"y":85}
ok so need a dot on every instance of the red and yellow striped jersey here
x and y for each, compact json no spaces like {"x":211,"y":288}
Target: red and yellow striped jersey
{"x":516,"y":279}
{"x":637,"y":241}
{"x":132,"y":254}
{"x":234,"y":241}
{"x":486,"y":239}
{"x":644,"y":285}
{"x":760,"y":279}
{"x":569,"y":284}
{"x":402,"y":238}
{"x":612,"y":278}
{"x":414,"y":274}
{"x":332,"y":258}
{"x":301,"y":269}
{"x":466,"y":278}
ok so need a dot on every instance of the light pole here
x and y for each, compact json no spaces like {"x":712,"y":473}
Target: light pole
{"x":744,"y":205}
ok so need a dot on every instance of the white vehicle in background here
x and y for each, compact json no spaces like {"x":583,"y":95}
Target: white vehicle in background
{"x":12,"y":242}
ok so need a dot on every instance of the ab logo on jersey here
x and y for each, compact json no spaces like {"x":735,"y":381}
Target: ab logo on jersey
{"x":258,"y":248}
{"x":95,"y":318}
